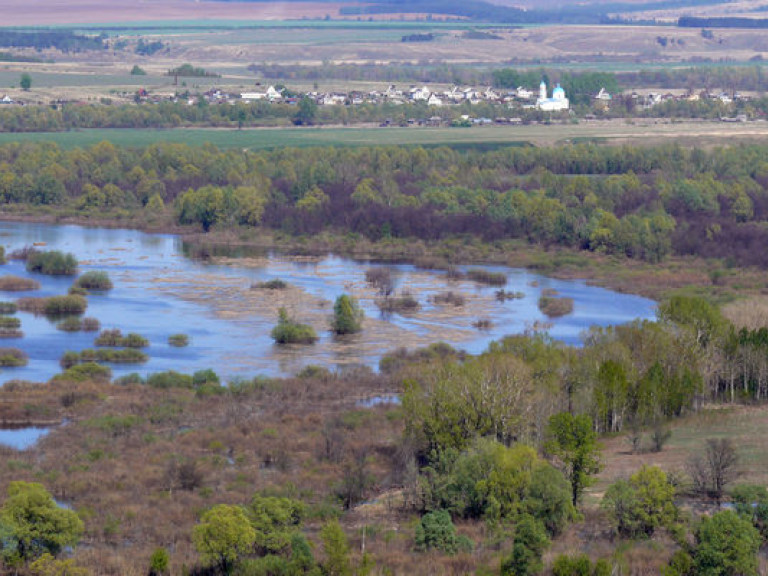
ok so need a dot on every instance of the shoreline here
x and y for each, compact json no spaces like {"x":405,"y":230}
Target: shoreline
{"x":616,"y":273}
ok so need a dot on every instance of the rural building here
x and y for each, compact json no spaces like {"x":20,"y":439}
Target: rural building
{"x":556,"y":103}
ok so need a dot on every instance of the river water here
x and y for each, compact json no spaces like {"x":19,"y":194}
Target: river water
{"x":158,"y":292}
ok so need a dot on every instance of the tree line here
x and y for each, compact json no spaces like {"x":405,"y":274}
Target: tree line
{"x":642,"y":203}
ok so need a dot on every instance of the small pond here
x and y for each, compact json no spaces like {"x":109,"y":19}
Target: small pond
{"x":158,"y":292}
{"x":22,"y":438}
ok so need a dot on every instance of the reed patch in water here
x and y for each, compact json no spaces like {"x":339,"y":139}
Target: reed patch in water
{"x":94,"y":280}
{"x":555,"y":307}
{"x":178,"y":340}
{"x":115,"y":338}
{"x":53,"y":263}
{"x":11,"y":283}
{"x":12,"y":357}
{"x":487,"y":277}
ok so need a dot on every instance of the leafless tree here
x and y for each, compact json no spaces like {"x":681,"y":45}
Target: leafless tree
{"x":716,"y":468}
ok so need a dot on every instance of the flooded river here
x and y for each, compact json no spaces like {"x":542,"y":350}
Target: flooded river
{"x":159,"y":292}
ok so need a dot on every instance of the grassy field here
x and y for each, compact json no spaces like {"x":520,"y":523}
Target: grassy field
{"x":693,"y":133}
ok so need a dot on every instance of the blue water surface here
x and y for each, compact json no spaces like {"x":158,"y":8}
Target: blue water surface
{"x":150,"y":270}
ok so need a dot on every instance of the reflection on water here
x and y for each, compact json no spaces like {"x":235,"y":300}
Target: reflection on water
{"x":159,"y":292}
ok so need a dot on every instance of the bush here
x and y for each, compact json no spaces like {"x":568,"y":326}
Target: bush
{"x":12,"y":283}
{"x":487,"y":277}
{"x":178,"y":340}
{"x":128,"y":379}
{"x":288,"y":331}
{"x":94,"y":280}
{"x":53,"y":263}
{"x":398,"y":304}
{"x":90,"y":372}
{"x":170,"y":379}
{"x":275,"y":284}
{"x":8,"y":308}
{"x":115,"y":338}
{"x":60,"y":305}
{"x":449,"y":298}
{"x":437,"y":532}
{"x":125,"y":356}
{"x":7,"y":322}
{"x":503,"y":295}
{"x":70,"y":324}
{"x":12,"y":357}
{"x":347,"y":315}
{"x":555,"y":307}
{"x":381,"y":279}
{"x":91,"y":324}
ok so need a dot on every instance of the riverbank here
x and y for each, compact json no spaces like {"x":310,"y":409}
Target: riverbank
{"x":711,"y":278}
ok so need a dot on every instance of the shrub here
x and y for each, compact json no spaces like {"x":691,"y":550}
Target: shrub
{"x":7,"y":322}
{"x":347,"y":315}
{"x":398,"y":304}
{"x":159,"y":562}
{"x":53,"y":263}
{"x":503,"y":295}
{"x":170,"y":379}
{"x":436,"y":531}
{"x":115,"y":338}
{"x":71,"y":324}
{"x":487,"y":277}
{"x":12,"y":357}
{"x":178,"y":340}
{"x":12,"y":283}
{"x":126,"y":356}
{"x":288,"y":331}
{"x":449,"y":298}
{"x":555,"y":307}
{"x":60,"y":305}
{"x":381,"y":279}
{"x":128,"y":379}
{"x":8,"y":307}
{"x":90,"y":372}
{"x":75,"y":290}
{"x":91,"y":324}
{"x":94,"y":280}
{"x":275,"y":284}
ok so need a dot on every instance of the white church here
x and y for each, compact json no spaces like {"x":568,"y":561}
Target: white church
{"x":556,"y":103}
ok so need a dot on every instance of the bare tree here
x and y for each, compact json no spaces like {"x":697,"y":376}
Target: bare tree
{"x":716,"y":468}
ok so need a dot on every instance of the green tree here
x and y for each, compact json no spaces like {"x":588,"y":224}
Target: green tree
{"x":47,"y":565}
{"x":727,"y":546}
{"x":436,"y":531}
{"x":25,"y":82}
{"x":306,"y":113}
{"x":529,"y":545}
{"x":347,"y":315}
{"x":159,"y":562}
{"x":641,"y":505}
{"x":223,"y":534}
{"x":35,"y":523}
{"x":276,"y":521}
{"x":573,"y":441}
{"x":336,"y":549}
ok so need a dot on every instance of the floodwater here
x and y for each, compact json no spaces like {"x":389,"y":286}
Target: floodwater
{"x":22,"y":438}
{"x":158,"y":292}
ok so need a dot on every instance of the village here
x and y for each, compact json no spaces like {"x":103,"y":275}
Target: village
{"x":523,"y":100}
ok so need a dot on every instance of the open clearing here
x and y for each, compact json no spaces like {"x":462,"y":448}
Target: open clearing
{"x":620,"y":132}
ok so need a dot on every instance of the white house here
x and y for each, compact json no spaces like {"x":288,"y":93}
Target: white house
{"x":422,"y":93}
{"x":557,"y":103}
{"x":603,"y":95}
{"x":6,"y":100}
{"x":434,"y":100}
{"x":524,"y":93}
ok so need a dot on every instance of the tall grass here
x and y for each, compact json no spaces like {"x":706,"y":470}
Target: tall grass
{"x":555,"y":307}
{"x":12,"y":357}
{"x":53,"y":263}
{"x":12,"y":283}
{"x":94,"y":280}
{"x":487,"y":277}
{"x":115,"y":338}
{"x":54,"y":306}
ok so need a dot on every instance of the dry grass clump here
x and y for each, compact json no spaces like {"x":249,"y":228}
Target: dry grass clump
{"x":115,"y":338}
{"x":750,"y":313}
{"x":275,"y":284}
{"x":381,"y":279}
{"x":555,"y":307}
{"x":449,"y":298}
{"x":487,"y":277}
{"x":54,"y":305}
{"x":11,"y":283}
{"x":403,"y":304}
